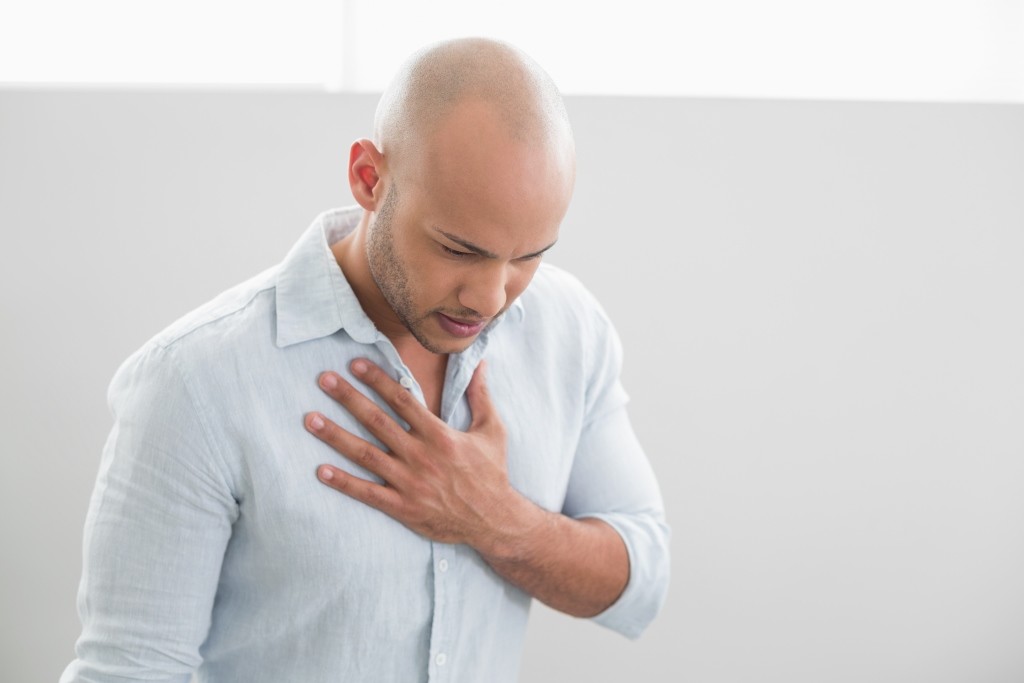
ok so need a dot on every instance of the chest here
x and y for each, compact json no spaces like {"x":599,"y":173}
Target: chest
{"x":429,"y":373}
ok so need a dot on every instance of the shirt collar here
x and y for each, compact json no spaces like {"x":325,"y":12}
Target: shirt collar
{"x":315,"y":300}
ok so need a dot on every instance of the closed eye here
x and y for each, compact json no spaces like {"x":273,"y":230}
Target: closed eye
{"x":454,"y":252}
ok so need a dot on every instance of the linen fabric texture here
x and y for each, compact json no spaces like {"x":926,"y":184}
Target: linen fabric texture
{"x":211,"y":547}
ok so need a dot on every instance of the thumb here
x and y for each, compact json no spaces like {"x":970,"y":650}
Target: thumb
{"x":480,"y":406}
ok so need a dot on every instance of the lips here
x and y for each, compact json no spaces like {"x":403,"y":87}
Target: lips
{"x":460,"y":328}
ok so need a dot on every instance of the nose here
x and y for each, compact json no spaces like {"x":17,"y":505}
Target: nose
{"x":485,"y":290}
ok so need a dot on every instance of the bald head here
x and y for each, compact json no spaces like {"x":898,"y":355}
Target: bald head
{"x":476,"y":136}
{"x":439,"y":78}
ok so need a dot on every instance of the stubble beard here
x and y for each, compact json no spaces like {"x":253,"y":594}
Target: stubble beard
{"x":390,"y":274}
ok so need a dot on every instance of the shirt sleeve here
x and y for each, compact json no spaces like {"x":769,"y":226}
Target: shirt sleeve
{"x":158,"y":523}
{"x":612,"y":480}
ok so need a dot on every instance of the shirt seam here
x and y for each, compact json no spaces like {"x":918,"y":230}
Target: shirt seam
{"x":173,"y":341}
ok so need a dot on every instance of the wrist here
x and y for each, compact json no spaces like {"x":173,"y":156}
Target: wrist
{"x":517,"y":525}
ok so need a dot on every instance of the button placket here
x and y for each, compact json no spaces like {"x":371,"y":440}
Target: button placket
{"x":443,"y":629}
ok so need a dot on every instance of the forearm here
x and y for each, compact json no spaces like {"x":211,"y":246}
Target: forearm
{"x":453,"y":487}
{"x":579,"y":567}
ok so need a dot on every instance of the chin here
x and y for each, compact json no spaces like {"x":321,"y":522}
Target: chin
{"x":441,"y":343}
{"x":451,"y":345}
{"x":434,"y":338}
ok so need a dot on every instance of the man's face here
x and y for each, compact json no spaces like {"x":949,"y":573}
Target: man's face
{"x":459,"y":241}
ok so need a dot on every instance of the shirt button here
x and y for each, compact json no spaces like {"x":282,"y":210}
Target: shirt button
{"x":443,"y":565}
{"x":406,"y":381}
{"x":441,"y":658}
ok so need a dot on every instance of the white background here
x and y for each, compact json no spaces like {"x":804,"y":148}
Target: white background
{"x":934,"y":50}
{"x":820,"y":308}
{"x":819,"y":301}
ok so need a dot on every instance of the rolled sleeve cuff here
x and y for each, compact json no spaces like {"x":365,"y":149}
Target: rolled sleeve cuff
{"x":646,"y":539}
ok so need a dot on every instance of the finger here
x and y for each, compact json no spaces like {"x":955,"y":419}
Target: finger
{"x":358,"y":451}
{"x":480,"y":407}
{"x":376,"y":496}
{"x":394,"y":394}
{"x":368,"y":413}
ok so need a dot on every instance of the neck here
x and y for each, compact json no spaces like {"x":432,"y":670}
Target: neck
{"x":350,"y":253}
{"x":428,"y":368}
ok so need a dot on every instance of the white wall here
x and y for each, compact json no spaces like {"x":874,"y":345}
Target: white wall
{"x":821,"y":310}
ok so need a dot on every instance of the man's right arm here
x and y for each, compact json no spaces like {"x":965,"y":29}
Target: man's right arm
{"x":158,"y":523}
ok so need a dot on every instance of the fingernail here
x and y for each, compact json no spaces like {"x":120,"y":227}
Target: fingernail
{"x":359,"y":366}
{"x":326,"y":474}
{"x":328,"y":380}
{"x":316,"y":422}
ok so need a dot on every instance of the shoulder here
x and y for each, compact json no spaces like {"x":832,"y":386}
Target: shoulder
{"x":238,"y":307}
{"x":576,"y":339}
{"x":216,"y":331}
{"x":563,"y":316}
{"x":556,"y":293}
{"x":552,"y":280}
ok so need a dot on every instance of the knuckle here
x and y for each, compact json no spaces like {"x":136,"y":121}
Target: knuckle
{"x":366,"y":455}
{"x":446,"y":442}
{"x":398,"y":509}
{"x":344,"y":392}
{"x":402,"y":399}
{"x":428,"y":471}
{"x":375,"y":497}
{"x":342,"y":483}
{"x":416,"y":451}
{"x":378,"y":421}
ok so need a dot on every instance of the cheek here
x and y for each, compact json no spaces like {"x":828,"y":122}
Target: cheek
{"x":434,"y":281}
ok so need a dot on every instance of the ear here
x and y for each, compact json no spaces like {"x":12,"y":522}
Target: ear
{"x":365,"y":168}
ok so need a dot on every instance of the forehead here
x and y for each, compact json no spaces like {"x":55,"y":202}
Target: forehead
{"x":476,"y":178}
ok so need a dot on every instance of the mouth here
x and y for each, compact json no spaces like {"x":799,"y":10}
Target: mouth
{"x":460,"y":328}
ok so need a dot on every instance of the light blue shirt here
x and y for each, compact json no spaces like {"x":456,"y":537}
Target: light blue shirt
{"x":211,"y":546}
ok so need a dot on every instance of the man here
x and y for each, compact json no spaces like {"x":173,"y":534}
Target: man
{"x":471,"y":431}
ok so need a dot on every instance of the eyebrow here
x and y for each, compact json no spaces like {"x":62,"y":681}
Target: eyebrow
{"x":469,"y":246}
